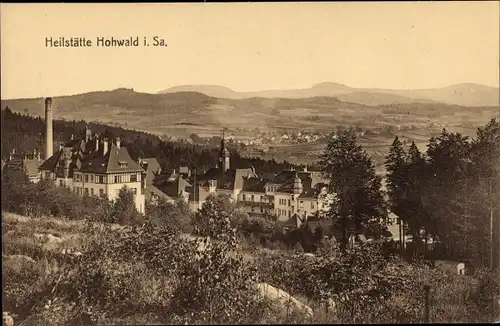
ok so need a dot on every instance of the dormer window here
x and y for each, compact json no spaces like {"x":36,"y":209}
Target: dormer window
{"x":122,"y":164}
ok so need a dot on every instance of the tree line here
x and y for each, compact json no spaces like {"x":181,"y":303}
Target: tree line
{"x":448,"y":194}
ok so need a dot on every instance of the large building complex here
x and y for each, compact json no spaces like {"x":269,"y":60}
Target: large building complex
{"x":290,"y":195}
{"x":93,"y":165}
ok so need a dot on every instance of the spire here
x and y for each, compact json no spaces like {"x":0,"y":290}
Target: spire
{"x":224,"y":154}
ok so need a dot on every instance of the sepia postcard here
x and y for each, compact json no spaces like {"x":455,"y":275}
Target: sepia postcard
{"x":250,"y":163}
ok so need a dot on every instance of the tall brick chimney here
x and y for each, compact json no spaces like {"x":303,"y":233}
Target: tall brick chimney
{"x":49,"y":146}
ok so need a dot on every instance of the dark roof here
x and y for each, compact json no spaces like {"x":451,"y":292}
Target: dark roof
{"x":312,"y":192}
{"x":229,"y":180}
{"x":172,"y":187}
{"x":117,"y":159}
{"x":111,"y":162}
{"x":286,"y":179}
{"x":152,"y":189}
{"x":152,"y":168}
{"x":253,"y":184}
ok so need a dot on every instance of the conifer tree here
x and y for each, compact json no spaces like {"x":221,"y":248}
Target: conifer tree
{"x":353,"y":182}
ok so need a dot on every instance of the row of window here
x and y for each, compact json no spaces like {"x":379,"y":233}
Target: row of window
{"x":282,"y":201}
{"x":252,"y":197}
{"x":92,"y":192}
{"x":261,"y":210}
{"x":89,"y":192}
{"x":282,"y":212}
{"x":121,"y":178}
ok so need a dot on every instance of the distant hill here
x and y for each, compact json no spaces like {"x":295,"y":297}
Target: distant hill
{"x":188,"y":111}
{"x":466,"y":94}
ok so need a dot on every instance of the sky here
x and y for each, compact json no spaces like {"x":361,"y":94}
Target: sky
{"x":250,"y":46}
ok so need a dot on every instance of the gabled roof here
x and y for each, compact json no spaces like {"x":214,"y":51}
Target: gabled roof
{"x":312,"y":193}
{"x":230,"y":180}
{"x":151,"y":166}
{"x":254,"y":184}
{"x":117,"y":159}
{"x":172,"y":188}
{"x":152,"y":189}
{"x":110,"y":163}
{"x":286,"y":179}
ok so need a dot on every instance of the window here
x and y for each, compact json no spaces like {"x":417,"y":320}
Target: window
{"x":47,"y":175}
{"x":92,"y":191}
{"x":86,"y":191}
{"x":86,"y":178}
{"x":312,"y":205}
{"x":61,"y":183}
{"x":99,"y":179}
{"x":101,"y":192}
{"x":252,"y":197}
{"x":133,"y":178}
{"x":288,"y":202}
{"x":243,"y":197}
{"x":92,"y":178}
{"x":117,"y":179}
{"x":262,"y":209}
{"x":122,"y":164}
{"x":78,"y":177}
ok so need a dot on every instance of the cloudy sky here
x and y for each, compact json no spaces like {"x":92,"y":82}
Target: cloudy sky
{"x":250,"y":46}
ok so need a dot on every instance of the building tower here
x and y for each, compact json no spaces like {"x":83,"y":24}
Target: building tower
{"x":49,"y":139}
{"x":223,"y":155}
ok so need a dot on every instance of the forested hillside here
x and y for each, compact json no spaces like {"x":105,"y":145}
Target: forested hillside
{"x":25,"y":133}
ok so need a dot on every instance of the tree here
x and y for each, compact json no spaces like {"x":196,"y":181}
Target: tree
{"x":396,"y":167}
{"x":446,"y":190}
{"x":124,"y":210}
{"x":174,"y":216}
{"x":353,"y":182}
{"x":216,"y":218}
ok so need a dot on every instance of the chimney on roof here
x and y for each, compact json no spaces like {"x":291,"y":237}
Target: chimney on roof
{"x":104,"y":146}
{"x":118,"y":142}
{"x":67,"y":162}
{"x":88,"y":134}
{"x":96,"y":137}
{"x":49,"y":139}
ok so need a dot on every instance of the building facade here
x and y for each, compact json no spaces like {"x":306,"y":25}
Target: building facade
{"x":95,"y":167}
